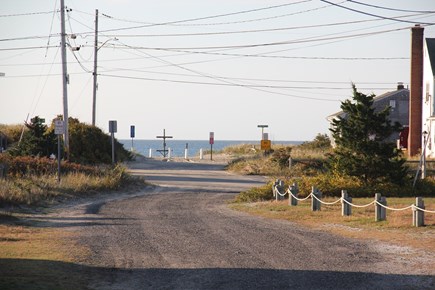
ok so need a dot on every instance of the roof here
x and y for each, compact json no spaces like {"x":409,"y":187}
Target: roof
{"x":377,"y":98}
{"x":430,"y":44}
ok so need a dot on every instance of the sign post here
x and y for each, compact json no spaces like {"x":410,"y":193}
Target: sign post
{"x":211,"y":144}
{"x":113,"y":128}
{"x":265,"y":142}
{"x":59,"y":129}
{"x":132,"y":134}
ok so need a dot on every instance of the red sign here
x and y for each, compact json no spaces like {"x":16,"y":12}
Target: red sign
{"x":211,"y":138}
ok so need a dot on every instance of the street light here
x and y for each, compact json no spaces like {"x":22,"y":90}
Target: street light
{"x":262,"y":129}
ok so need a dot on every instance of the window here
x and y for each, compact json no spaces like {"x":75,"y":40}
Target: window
{"x":392,"y":104}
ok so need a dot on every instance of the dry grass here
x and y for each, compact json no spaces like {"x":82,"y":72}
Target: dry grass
{"x":33,"y":189}
{"x":397,"y":229}
{"x":40,"y":258}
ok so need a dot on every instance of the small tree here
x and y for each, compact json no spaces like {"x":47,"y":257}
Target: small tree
{"x":361,"y":147}
{"x":37,"y":141}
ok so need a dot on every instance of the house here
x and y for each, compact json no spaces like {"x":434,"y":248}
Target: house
{"x":398,"y":101}
{"x":428,"y":111}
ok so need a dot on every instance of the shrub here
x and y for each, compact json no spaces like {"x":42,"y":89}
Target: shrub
{"x":26,"y":165}
{"x":281,"y":156}
{"x":261,"y":193}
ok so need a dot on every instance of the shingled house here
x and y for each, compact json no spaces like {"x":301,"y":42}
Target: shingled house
{"x":398,"y":101}
{"x":428,"y":128}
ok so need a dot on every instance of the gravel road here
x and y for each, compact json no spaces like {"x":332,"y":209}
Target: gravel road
{"x":182,"y":235}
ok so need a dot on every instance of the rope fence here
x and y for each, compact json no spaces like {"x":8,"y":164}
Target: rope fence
{"x":380,"y":202}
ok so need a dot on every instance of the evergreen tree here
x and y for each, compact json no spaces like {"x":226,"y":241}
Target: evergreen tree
{"x":361,"y":147}
{"x":36,"y":141}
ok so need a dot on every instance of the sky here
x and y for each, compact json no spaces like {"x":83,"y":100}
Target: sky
{"x":193,"y":67}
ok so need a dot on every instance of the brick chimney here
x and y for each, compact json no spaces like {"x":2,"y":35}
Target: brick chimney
{"x":416,"y":91}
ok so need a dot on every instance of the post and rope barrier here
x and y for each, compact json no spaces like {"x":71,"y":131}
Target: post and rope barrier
{"x":380,"y":202}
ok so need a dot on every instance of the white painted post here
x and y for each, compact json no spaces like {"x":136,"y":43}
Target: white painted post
{"x":418,"y":215}
{"x":201,"y":156}
{"x":185,"y":153}
{"x":150,"y":154}
{"x":319,"y":196}
{"x":273,"y":188}
{"x":169,"y":153}
{"x":383,"y":209}
{"x":346,"y":209}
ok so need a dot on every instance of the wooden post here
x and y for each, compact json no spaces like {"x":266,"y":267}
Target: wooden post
{"x":380,"y":212}
{"x":280,"y":189}
{"x":418,"y":215}
{"x":294,"y":190}
{"x":315,"y":204}
{"x":346,"y":209}
{"x":319,"y":196}
{"x":383,"y":209}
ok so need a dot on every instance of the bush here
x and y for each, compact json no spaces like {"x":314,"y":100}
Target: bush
{"x":25,"y":165}
{"x":261,"y":193}
{"x":281,"y":156}
{"x":321,"y":142}
{"x":331,"y":185}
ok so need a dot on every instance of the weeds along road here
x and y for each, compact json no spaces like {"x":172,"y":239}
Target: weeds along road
{"x":182,"y":235}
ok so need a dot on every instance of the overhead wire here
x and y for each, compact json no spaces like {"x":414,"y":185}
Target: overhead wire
{"x":231,"y":83}
{"x":228,"y":22}
{"x":375,"y":15}
{"x":207,"y":17}
{"x":311,"y":39}
{"x":391,"y":9}
{"x":26,"y":14}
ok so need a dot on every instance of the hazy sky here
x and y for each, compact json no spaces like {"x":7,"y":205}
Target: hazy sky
{"x":193,"y":66}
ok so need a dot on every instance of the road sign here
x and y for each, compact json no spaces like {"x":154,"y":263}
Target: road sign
{"x":59,"y":128}
{"x":266,"y":144}
{"x":113,"y":127}
{"x":132,"y":131}
{"x":211,"y":138}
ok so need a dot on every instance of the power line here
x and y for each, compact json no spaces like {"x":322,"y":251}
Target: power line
{"x":207,"y":17}
{"x":26,"y":14}
{"x":224,"y":23}
{"x":374,"y":15}
{"x":29,"y":47}
{"x":391,"y":9}
{"x":248,"y":86}
{"x":290,"y":57}
{"x":272,"y":43}
{"x":255,"y":87}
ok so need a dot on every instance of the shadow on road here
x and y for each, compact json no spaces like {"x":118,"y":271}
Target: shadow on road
{"x":41,"y":274}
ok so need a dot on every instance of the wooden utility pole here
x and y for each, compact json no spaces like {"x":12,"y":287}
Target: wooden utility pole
{"x":65,"y":79}
{"x":94,"y":95}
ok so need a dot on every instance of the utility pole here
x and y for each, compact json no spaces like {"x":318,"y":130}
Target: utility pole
{"x":65,"y":78}
{"x":94,"y":99}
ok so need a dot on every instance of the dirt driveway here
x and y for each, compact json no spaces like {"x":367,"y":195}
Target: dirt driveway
{"x":182,"y":235}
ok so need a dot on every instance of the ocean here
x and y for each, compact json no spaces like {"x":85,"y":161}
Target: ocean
{"x":177,"y":146}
